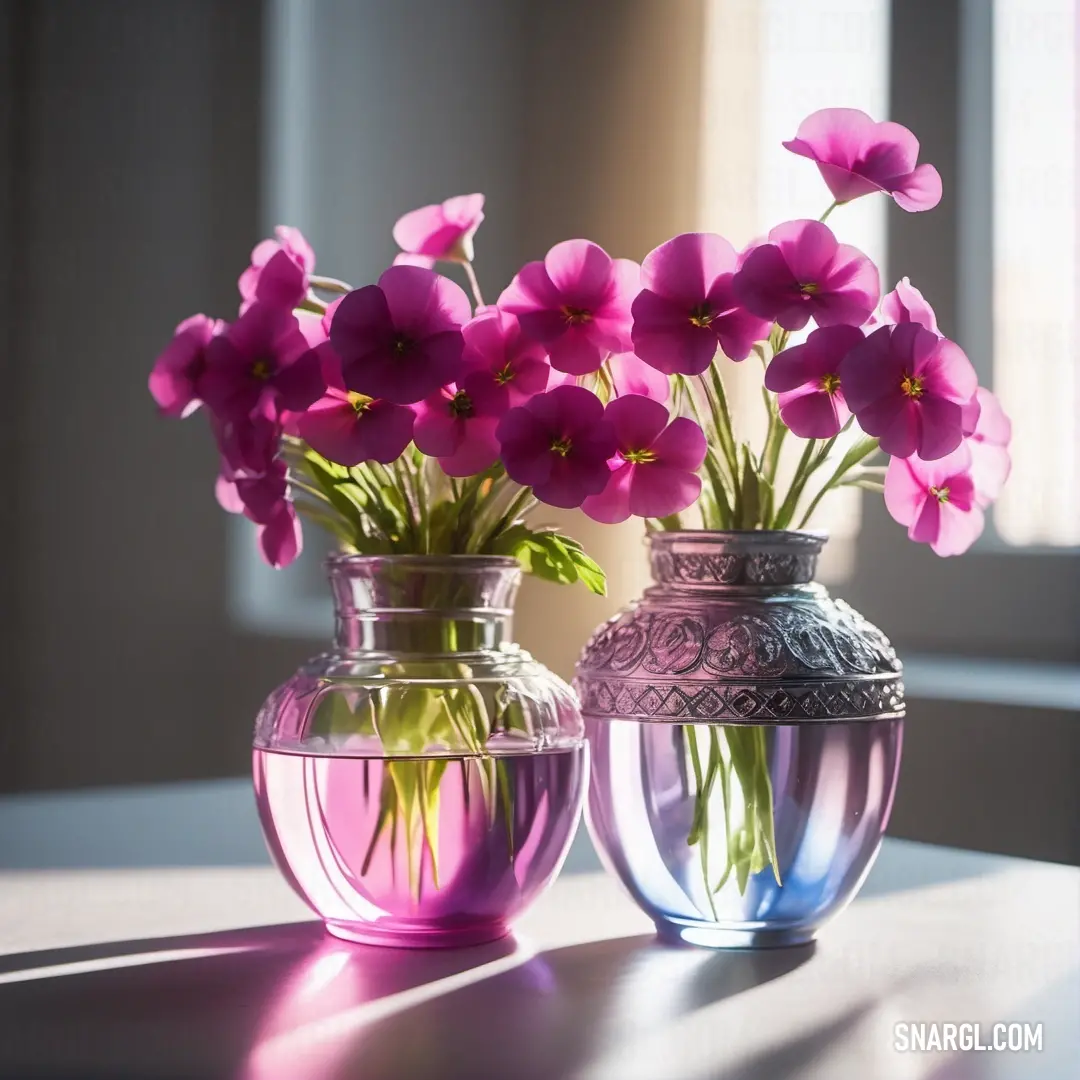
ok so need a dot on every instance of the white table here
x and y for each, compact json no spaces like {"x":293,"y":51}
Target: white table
{"x":216,"y":971}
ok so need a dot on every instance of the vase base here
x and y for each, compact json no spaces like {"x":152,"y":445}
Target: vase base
{"x":419,"y":937}
{"x":708,"y":936}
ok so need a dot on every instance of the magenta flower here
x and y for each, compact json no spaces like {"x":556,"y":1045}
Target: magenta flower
{"x":908,"y":387}
{"x":906,"y":304}
{"x":248,"y":445}
{"x":631,"y":375}
{"x":442,"y":230}
{"x":457,"y":425}
{"x":988,"y":433}
{"x":260,"y":496}
{"x":857,"y":157}
{"x":264,"y":501}
{"x":687,"y":309}
{"x":177,"y":371}
{"x":803,"y":273}
{"x":260,"y":363}
{"x":401,"y":339}
{"x":281,"y":539}
{"x":806,"y":379}
{"x":494,"y":343}
{"x":936,"y":500}
{"x":280,"y":270}
{"x":655,"y":471}
{"x":559,"y":443}
{"x":347,"y":427}
{"x":577,"y":303}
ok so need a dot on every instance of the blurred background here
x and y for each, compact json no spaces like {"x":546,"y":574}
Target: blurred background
{"x":146,"y":146}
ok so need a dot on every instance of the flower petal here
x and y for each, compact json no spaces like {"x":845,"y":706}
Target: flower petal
{"x":658,"y":490}
{"x":681,"y":445}
{"x":612,"y":505}
{"x":580,"y":271}
{"x":921,"y":190}
{"x":812,"y":413}
{"x":636,"y":420}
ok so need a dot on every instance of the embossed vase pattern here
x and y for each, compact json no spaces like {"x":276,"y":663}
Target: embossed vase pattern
{"x":746,"y":731}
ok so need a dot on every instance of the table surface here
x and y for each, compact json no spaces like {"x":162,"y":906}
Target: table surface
{"x":218,"y":971}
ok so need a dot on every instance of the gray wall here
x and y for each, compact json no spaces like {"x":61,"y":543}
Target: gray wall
{"x":130,"y":158}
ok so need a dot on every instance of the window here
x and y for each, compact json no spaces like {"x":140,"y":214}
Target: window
{"x":1036,"y":281}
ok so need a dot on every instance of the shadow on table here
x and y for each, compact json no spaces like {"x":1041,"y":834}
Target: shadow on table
{"x":289,"y":1002}
{"x":907,"y":864}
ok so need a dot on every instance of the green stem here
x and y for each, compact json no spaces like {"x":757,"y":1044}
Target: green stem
{"x":721,"y":419}
{"x":699,"y":833}
{"x":307,"y":489}
{"x":474,"y":284}
{"x":862,"y":449}
{"x":832,"y":206}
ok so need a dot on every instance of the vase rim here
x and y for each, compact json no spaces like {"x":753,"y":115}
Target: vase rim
{"x":344,"y":560}
{"x":744,"y":537}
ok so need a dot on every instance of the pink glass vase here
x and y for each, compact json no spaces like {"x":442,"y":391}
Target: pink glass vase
{"x":420,"y":783}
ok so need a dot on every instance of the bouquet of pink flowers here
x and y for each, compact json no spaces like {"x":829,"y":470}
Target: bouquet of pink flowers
{"x":403,"y":418}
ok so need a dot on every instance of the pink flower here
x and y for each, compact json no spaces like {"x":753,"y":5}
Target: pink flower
{"x":559,"y":443}
{"x":264,"y":500}
{"x":248,"y":445}
{"x":990,"y":433}
{"x":803,"y":273}
{"x":631,"y":375}
{"x":655,"y":471}
{"x":687,"y":309}
{"x":936,"y":500}
{"x":906,"y":304}
{"x":857,"y":157}
{"x":577,"y":303}
{"x":347,"y":427}
{"x":806,"y":379}
{"x":281,"y":539}
{"x":494,"y":343}
{"x":279,"y":270}
{"x":457,"y":425}
{"x":261,"y":362}
{"x":177,"y":371}
{"x":908,"y":386}
{"x":442,"y":230}
{"x":401,"y":339}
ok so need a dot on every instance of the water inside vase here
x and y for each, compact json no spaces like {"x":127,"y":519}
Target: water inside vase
{"x":378,"y":846}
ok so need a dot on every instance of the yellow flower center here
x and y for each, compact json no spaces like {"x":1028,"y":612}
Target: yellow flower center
{"x":940,"y":493}
{"x":562,"y":446}
{"x":505,"y":375}
{"x":260,"y":370}
{"x":830,"y":383}
{"x":912,"y":385}
{"x":809,"y":288}
{"x":575,"y":316}
{"x":702,"y":315}
{"x":639,"y":457}
{"x":360,"y":402}
{"x":401,"y":345}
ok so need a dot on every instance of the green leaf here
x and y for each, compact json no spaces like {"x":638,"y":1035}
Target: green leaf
{"x":551,"y":557}
{"x":589,"y":572}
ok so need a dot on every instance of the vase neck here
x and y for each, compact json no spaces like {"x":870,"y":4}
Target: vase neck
{"x":750,"y":560}
{"x":423,"y":605}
